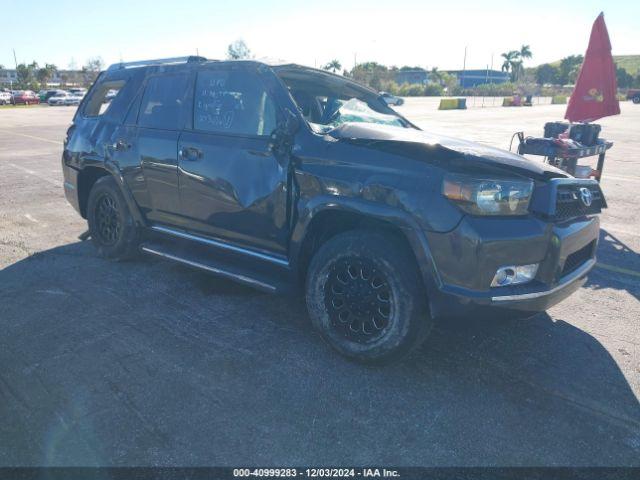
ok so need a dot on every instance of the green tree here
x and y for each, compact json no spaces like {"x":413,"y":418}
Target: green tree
{"x":44,"y":74}
{"x":547,"y":74}
{"x":25,"y":75}
{"x":372,"y":74}
{"x":511,"y":63}
{"x":436,"y":76}
{"x":569,"y":69}
{"x":525,"y":52}
{"x":625,"y":80}
{"x":433,"y":90}
{"x":90,"y":70}
{"x":333,"y":65}
{"x":238,"y":50}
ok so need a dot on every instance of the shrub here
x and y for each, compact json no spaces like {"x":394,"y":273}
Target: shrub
{"x":433,"y":90}
{"x":411,"y":90}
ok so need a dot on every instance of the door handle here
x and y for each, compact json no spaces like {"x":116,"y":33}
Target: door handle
{"x":190,"y":153}
{"x":121,"y":145}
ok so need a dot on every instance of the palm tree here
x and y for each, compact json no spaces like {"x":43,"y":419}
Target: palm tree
{"x":45,"y":74}
{"x":436,"y":76}
{"x":525,"y":52}
{"x":511,"y":63}
{"x":334,"y":65}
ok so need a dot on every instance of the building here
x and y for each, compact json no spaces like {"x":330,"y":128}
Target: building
{"x":70,"y":78}
{"x":473,"y":78}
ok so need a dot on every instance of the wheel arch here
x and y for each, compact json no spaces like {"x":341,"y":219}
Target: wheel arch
{"x":87,"y":178}
{"x":325,"y":217}
{"x":91,"y":173}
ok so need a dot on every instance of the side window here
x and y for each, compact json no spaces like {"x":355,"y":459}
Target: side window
{"x":163,"y":102}
{"x":233,"y":101}
{"x":101,"y":97}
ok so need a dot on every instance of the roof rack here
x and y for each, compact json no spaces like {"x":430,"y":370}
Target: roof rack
{"x":159,"y":61}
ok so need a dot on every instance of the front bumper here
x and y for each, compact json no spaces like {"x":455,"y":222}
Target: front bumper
{"x":467,"y":258}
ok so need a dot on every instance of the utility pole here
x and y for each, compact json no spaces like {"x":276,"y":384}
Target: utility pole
{"x":493,"y":100}
{"x":15,"y":59}
{"x":464,"y":66}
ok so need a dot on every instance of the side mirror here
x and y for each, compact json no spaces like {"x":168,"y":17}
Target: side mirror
{"x":291,"y":123}
{"x":282,"y":136}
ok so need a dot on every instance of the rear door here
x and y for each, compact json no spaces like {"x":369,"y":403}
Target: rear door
{"x":161,"y":117}
{"x":232,"y":186}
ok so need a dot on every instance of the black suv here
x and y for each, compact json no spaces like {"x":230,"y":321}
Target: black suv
{"x":288,"y":178}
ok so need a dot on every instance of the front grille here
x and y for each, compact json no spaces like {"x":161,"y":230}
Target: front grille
{"x":570,"y":205}
{"x":577,"y":259}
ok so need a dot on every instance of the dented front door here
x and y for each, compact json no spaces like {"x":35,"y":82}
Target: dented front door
{"x":232,"y":187}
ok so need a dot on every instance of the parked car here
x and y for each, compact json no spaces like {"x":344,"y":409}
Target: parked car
{"x":25,"y":97}
{"x":633,"y":95}
{"x":111,"y":94}
{"x":44,"y":97}
{"x":60,"y":98}
{"x":5,"y":98}
{"x":81,"y":92}
{"x":391,"y":99}
{"x":74,"y":98}
{"x":288,"y":178}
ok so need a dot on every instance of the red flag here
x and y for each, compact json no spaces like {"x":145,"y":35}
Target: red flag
{"x":594,"y":95}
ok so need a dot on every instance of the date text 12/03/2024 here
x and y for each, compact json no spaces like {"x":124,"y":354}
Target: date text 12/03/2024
{"x":316,"y":472}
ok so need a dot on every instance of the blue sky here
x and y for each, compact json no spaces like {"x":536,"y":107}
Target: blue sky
{"x":396,"y":32}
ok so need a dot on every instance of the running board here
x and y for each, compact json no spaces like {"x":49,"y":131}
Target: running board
{"x":213,"y":266}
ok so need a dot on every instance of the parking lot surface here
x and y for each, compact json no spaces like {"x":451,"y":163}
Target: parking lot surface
{"x":149,"y":363}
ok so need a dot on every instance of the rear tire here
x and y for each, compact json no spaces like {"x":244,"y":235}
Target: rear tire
{"x":365,"y":297}
{"x":636,"y":99}
{"x":113,"y":230}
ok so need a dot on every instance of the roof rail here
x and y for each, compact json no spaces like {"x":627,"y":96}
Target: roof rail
{"x":159,"y":61}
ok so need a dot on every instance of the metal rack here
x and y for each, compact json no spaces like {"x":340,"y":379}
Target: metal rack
{"x":567,"y":158}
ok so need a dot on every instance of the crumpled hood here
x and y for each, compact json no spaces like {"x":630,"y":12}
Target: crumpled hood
{"x":372,"y":135}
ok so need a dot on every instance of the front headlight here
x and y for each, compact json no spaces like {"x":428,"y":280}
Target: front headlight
{"x":484,"y":196}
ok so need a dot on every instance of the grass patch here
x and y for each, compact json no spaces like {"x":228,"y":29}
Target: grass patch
{"x":631,"y":63}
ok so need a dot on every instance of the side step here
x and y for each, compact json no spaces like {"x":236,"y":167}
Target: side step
{"x":196,"y":258}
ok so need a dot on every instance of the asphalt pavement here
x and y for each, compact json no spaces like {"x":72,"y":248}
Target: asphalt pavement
{"x":148,"y":363}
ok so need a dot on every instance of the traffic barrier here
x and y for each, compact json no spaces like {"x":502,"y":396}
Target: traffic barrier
{"x":558,"y":100}
{"x":516,"y":101}
{"x":453,"y":104}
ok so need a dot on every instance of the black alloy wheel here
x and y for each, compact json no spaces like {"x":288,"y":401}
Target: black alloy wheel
{"x":108,"y":219}
{"x":358,"y":299}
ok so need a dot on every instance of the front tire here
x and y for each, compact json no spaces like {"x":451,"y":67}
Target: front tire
{"x":113,"y":230}
{"x":364,"y":296}
{"x":636,"y":99}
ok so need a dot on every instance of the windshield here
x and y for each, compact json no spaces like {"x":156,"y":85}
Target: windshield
{"x":327,"y":101}
{"x":338,"y":112}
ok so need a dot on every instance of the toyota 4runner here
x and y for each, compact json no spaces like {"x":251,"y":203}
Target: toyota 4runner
{"x":288,"y":178}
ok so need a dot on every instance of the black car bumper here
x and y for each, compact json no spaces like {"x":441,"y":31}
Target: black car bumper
{"x":71,"y":185}
{"x":467,"y":258}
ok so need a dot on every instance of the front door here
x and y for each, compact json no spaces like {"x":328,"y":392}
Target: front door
{"x":232,"y":186}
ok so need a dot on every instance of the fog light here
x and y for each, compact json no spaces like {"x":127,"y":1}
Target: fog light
{"x":514,"y":275}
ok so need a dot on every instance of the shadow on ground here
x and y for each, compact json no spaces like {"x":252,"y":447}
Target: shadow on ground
{"x":615,"y":253}
{"x":148,"y":363}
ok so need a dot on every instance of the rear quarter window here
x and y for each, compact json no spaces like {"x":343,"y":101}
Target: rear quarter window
{"x":101,"y":97}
